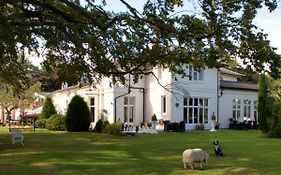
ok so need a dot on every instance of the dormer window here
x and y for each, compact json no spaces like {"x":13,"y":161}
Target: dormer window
{"x":194,"y":74}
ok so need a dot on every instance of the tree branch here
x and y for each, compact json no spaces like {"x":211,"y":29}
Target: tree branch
{"x":158,"y":81}
{"x":86,"y":14}
{"x":131,"y":9}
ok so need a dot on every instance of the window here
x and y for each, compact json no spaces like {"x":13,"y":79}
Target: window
{"x":92,"y":108}
{"x":247,"y":110}
{"x":195,"y":75}
{"x":256,"y":110}
{"x":195,"y":110}
{"x":129,"y":105}
{"x":236,"y":108}
{"x":163,"y":104}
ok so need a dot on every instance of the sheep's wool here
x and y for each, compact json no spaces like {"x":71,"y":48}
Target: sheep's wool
{"x":191,"y":156}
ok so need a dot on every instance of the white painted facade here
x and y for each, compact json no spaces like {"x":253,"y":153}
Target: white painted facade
{"x":226,"y":106}
{"x":170,"y":97}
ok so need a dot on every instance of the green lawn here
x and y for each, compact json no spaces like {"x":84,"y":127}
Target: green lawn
{"x":61,"y":153}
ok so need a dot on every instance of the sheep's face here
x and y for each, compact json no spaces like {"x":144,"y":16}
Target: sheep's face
{"x":206,"y":158}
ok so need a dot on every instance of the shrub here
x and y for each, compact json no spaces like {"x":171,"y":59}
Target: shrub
{"x":106,"y":129}
{"x":40,"y":123}
{"x":275,"y":124}
{"x":99,"y":126}
{"x":105,"y":123}
{"x":48,"y":109}
{"x":275,"y":132}
{"x":114,"y":129}
{"x":56,"y":123}
{"x":153,"y":117}
{"x":102,"y":122}
{"x":78,"y":116}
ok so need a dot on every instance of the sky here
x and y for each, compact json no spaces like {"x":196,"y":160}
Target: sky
{"x":269,"y":22}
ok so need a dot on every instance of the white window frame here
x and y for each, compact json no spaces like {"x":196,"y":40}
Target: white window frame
{"x":163,"y":104}
{"x":256,"y":114}
{"x":129,"y":109}
{"x":196,"y":110}
{"x":92,"y":108}
{"x":236,"y":109}
{"x":195,"y":75}
{"x":247,"y":109}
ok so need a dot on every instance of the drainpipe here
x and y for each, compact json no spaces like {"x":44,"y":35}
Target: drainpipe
{"x":219,"y":93}
{"x":218,"y":86}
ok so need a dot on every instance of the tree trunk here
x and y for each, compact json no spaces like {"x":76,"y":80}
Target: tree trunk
{"x":2,"y":115}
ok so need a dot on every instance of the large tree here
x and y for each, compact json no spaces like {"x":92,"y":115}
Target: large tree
{"x":263,"y":107}
{"x":11,"y":99}
{"x":91,"y":41}
{"x":274,"y":105}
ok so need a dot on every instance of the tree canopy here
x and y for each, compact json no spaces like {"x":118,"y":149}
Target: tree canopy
{"x":11,"y":100}
{"x":90,"y":41}
{"x":263,"y":107}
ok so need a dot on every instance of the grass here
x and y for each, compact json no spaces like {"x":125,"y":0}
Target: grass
{"x":63,"y":153}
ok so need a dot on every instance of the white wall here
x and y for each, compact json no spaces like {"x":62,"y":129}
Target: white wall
{"x":206,"y":89}
{"x":108,"y":95}
{"x":108,"y":103}
{"x":60,"y":101}
{"x":104,"y":96}
{"x":180,"y":87}
{"x":226,"y":104}
{"x":153,"y":93}
{"x":62,"y":98}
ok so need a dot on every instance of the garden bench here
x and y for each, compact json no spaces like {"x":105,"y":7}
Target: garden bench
{"x":17,"y":136}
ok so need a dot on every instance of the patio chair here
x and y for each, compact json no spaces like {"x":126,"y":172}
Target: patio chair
{"x":17,"y":136}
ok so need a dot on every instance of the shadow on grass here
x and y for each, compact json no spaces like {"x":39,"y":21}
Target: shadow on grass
{"x":63,"y":153}
{"x":84,"y":153}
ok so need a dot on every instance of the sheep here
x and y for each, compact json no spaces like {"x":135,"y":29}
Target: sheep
{"x":194,"y":156}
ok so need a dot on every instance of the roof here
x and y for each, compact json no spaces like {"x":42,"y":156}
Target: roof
{"x":229,"y":72}
{"x":72,"y":88}
{"x":66,"y":89}
{"x":238,"y":85}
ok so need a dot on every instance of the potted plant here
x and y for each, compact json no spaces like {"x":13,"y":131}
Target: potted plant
{"x":217,"y":126}
{"x":153,"y":123}
{"x":213,"y":121}
{"x":200,"y":126}
{"x":153,"y":117}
